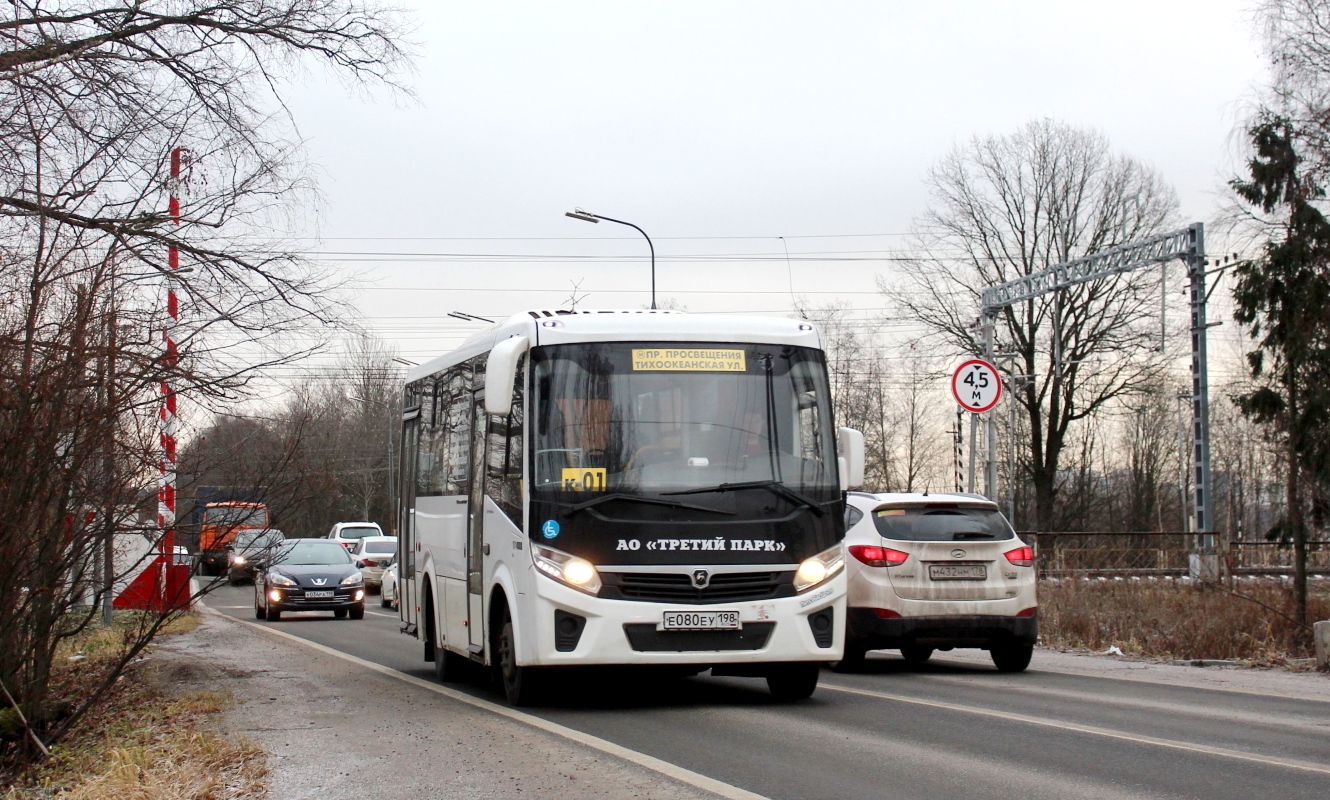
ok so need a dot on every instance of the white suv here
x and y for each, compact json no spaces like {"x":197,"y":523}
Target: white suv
{"x":347,"y":534}
{"x":935,"y":572}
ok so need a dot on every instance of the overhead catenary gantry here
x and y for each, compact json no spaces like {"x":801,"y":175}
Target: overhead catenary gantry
{"x":1187,"y":244}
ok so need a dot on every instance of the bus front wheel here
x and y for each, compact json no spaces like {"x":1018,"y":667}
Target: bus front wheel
{"x":790,"y":682}
{"x":520,"y":684}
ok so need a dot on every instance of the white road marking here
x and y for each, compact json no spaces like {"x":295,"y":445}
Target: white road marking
{"x":381,"y":614}
{"x":1223,"y":752}
{"x":1135,"y":675}
{"x":652,"y":763}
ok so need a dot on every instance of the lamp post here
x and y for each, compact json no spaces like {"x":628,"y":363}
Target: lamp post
{"x":587,"y":216}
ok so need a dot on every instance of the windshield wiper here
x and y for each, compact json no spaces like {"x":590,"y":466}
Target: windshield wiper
{"x":775,"y":487}
{"x":605,"y":498}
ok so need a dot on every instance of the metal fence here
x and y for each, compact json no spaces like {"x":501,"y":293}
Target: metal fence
{"x":1064,"y":554}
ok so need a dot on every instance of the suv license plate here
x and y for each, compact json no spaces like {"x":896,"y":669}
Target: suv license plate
{"x":957,"y":572}
{"x":320,"y":593}
{"x":700,"y":621}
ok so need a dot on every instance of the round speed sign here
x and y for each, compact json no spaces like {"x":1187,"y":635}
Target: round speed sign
{"x":976,"y":386}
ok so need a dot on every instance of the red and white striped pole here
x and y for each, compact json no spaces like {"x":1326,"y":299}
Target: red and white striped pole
{"x":166,"y":415}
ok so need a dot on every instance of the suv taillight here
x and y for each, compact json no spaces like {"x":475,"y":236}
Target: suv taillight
{"x":1021,"y":556}
{"x":875,"y":556}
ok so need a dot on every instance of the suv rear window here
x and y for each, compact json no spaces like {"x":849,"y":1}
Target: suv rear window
{"x":942,"y":523}
{"x":359,"y":532}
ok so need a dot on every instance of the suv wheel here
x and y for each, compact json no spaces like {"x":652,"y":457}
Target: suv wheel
{"x":1011,"y":657}
{"x":852,"y":661}
{"x":916,"y":654}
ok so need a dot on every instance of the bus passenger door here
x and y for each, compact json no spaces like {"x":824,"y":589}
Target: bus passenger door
{"x":475,"y":535}
{"x":406,"y":521}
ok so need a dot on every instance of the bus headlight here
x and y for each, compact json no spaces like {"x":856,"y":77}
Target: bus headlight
{"x":819,"y":568}
{"x":576,"y":572}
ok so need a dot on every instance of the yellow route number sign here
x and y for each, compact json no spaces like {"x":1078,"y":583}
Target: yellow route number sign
{"x":584,"y":479}
{"x":671,"y":359}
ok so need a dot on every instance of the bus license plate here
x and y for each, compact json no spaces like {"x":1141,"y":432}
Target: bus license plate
{"x":320,"y":593}
{"x":957,"y":572}
{"x":700,"y":621}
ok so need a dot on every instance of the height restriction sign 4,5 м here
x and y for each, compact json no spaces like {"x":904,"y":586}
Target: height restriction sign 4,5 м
{"x":976,"y":386}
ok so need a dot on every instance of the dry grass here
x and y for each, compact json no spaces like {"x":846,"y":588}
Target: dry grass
{"x":142,"y":742}
{"x":1250,"y":622}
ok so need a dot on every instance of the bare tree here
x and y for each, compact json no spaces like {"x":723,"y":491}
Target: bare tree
{"x":1148,"y":445}
{"x":1008,"y":206}
{"x":94,"y":97}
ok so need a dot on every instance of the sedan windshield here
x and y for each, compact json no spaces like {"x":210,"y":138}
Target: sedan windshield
{"x":942,"y":523}
{"x":314,"y":554}
{"x":258,"y":540}
{"x":648,"y":417}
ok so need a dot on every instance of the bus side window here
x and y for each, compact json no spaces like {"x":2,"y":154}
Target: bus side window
{"x":504,"y":479}
{"x":427,"y":464}
{"x":455,"y":444}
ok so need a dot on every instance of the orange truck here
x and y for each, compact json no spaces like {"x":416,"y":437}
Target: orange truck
{"x":217,"y":527}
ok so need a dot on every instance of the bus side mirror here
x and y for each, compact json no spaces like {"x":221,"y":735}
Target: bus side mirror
{"x":500,"y":372}
{"x":850,"y":443}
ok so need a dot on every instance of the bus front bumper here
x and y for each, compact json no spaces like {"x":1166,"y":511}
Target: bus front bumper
{"x":574,"y":628}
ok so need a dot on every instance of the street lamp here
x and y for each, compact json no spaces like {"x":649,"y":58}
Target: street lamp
{"x":587,"y":216}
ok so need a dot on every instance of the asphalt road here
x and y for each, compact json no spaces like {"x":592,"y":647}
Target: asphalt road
{"x":949,"y":729}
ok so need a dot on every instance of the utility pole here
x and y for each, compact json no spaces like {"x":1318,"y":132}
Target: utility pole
{"x":1204,"y":564}
{"x":1183,"y":398}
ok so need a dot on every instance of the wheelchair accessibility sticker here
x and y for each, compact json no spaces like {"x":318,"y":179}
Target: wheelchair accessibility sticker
{"x":549,"y":529}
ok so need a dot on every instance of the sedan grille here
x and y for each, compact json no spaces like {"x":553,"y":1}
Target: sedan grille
{"x":673,"y":587}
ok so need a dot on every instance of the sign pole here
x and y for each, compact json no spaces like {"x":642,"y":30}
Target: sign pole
{"x":974,"y":433}
{"x":976,"y":387}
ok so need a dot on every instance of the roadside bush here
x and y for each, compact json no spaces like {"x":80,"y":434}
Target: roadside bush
{"x":1163,"y":618}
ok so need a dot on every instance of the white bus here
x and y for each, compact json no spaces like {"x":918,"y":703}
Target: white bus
{"x":626,"y":488}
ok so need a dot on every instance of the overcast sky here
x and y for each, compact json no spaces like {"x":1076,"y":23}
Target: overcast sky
{"x":720,"y":127}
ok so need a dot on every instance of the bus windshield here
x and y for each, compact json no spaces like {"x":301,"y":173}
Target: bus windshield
{"x":658,"y":417}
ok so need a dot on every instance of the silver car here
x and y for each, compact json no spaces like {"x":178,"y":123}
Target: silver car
{"x":372,"y":555}
{"x":935,"y":572}
{"x":388,"y":594}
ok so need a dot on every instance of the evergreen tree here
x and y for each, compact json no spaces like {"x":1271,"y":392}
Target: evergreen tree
{"x":1283,"y":298}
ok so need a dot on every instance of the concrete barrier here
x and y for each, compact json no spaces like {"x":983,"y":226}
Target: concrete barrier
{"x":1321,"y":633}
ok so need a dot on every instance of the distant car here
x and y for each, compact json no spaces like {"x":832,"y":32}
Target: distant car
{"x":310,"y":575}
{"x":372,"y":555}
{"x":937,"y":571}
{"x":388,"y":594}
{"x":348,"y":533}
{"x":251,"y":550}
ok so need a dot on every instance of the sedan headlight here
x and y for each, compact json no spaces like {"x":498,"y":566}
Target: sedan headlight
{"x":238,"y":560}
{"x":576,"y":572}
{"x":819,"y":568}
{"x":278,"y":579}
{"x":354,"y":579}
